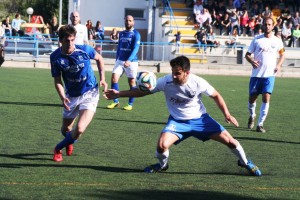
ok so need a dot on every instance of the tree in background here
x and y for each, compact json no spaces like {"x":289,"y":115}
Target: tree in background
{"x":45,"y":8}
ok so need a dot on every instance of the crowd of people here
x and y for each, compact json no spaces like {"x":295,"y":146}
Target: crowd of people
{"x":248,"y":17}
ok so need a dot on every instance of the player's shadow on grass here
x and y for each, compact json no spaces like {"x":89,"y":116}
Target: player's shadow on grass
{"x":31,"y":104}
{"x":61,"y":165}
{"x":27,"y":156}
{"x":123,"y":120}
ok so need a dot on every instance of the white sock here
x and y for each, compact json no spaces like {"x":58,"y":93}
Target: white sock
{"x":163,"y":158}
{"x":251,"y":108}
{"x":239,"y":152}
{"x":264,"y":109}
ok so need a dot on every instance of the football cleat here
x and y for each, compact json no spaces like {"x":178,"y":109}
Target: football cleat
{"x":57,"y":157}
{"x":251,"y":122}
{"x":113,"y":105}
{"x":155,"y":168}
{"x":69,"y":149}
{"x":260,"y":129}
{"x":127,"y":107}
{"x":251,"y":167}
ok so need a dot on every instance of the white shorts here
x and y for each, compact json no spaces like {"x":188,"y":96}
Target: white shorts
{"x":87,"y":101}
{"x":130,"y":71}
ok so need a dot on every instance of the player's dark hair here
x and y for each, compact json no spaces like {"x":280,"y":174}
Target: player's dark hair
{"x":181,"y":61}
{"x":66,"y":31}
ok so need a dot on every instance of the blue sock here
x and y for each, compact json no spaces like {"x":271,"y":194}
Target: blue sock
{"x":116,"y":87}
{"x":65,"y":142}
{"x":131,"y":99}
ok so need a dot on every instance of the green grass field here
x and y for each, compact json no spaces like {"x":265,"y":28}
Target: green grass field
{"x":109,"y":158}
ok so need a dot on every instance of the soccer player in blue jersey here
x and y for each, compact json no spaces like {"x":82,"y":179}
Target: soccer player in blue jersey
{"x":265,"y":65}
{"x":126,"y":60}
{"x":79,"y":93}
{"x":188,"y":117}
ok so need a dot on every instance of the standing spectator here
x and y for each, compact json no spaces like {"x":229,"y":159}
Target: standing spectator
{"x":177,"y":40}
{"x":16,"y":25}
{"x":200,"y":37}
{"x":79,"y":93}
{"x":126,"y":60}
{"x":265,"y":67}
{"x":53,"y":26}
{"x":225,"y":24}
{"x":99,"y":31}
{"x":188,"y":117}
{"x":90,"y":29}
{"x":82,"y":33}
{"x":114,"y":36}
{"x":6,"y":26}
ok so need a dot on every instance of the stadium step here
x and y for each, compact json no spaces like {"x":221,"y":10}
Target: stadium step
{"x":177,"y":5}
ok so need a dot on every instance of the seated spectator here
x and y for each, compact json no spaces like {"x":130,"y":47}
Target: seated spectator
{"x":276,"y":11}
{"x":258,"y":24}
{"x":203,"y":17}
{"x":296,"y":19}
{"x":255,"y":10}
{"x":244,"y":19}
{"x":225,"y":24}
{"x":234,"y":22}
{"x":90,"y":29}
{"x":220,"y":10}
{"x":99,"y":31}
{"x":251,"y":26}
{"x":233,"y":38}
{"x":53,"y":26}
{"x":16,"y":25}
{"x":200,"y":37}
{"x":211,"y":39}
{"x":114,"y":36}
{"x":266,"y":12}
{"x":285,"y":15}
{"x":295,"y":35}
{"x":6,"y":26}
{"x":286,"y":33}
{"x":197,"y":9}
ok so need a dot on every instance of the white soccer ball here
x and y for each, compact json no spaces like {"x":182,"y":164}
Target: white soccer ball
{"x":145,"y":81}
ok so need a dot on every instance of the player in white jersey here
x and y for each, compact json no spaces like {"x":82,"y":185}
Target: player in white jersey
{"x":81,"y":36}
{"x":183,"y":93}
{"x":265,"y":48}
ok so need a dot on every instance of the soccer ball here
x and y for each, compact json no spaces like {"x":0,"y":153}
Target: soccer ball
{"x":145,"y":81}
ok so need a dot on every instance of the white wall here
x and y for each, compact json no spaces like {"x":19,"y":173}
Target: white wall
{"x":111,"y":13}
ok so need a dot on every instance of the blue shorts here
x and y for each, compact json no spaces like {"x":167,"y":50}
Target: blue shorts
{"x":261,"y":85}
{"x":201,"y":128}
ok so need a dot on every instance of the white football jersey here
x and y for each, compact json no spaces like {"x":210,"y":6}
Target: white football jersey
{"x":266,"y":52}
{"x":81,"y":34}
{"x":184,"y":102}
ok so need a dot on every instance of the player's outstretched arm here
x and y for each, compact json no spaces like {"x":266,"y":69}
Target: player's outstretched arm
{"x":223,"y":107}
{"x":114,"y":94}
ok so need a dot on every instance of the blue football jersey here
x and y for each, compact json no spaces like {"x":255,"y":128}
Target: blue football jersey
{"x":75,"y":69}
{"x":128,"y":47}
